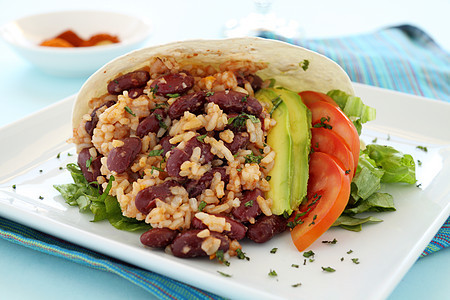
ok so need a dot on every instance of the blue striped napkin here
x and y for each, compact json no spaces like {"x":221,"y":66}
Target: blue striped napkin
{"x":401,"y":58}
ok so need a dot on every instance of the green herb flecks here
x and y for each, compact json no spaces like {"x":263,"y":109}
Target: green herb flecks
{"x":173,"y":95}
{"x":130,"y":111}
{"x":274,"y":250}
{"x":201,"y":138}
{"x":220,"y":256}
{"x":308,"y":254}
{"x":273,"y":273}
{"x":333,"y":242}
{"x":275,"y":102}
{"x":423,"y":148}
{"x":252,"y":158}
{"x":328,"y":269}
{"x":155,"y":152}
{"x":239,"y":121}
{"x":224,"y":274}
{"x":241,"y":255}
{"x":201,"y":205}
{"x":304,"y":64}
{"x":324,"y":123}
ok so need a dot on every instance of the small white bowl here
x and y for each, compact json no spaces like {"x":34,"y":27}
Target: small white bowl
{"x":25,"y":35}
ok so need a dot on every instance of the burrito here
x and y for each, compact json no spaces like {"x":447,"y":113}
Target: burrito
{"x":210,"y":142}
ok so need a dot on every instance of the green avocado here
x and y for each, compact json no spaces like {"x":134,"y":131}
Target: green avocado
{"x":280,"y":140}
{"x":300,"y":132}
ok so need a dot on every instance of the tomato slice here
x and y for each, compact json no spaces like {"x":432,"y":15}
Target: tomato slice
{"x":328,"y":194}
{"x":330,"y":117}
{"x":327,"y":141}
{"x":309,"y":97}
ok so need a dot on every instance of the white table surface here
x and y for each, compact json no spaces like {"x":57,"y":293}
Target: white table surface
{"x":26,"y":273}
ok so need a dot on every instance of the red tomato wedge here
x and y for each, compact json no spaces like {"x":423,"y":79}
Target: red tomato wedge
{"x":327,"y":141}
{"x":330,"y":117}
{"x":328,"y":194}
{"x":309,"y":97}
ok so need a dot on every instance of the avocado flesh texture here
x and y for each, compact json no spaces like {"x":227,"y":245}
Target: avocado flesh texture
{"x":280,"y":140}
{"x":300,"y":132}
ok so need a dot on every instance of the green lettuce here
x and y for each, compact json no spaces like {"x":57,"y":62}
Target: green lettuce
{"x":103,"y":206}
{"x":378,"y":165}
{"x":354,"y":108}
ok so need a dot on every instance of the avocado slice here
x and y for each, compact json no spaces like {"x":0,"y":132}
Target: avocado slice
{"x":280,"y":140}
{"x":300,"y":132}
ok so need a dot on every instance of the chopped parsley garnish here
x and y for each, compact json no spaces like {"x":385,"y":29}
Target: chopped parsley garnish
{"x":304,"y":64}
{"x":342,"y":258}
{"x":220,"y":256}
{"x":69,"y":154}
{"x":334,"y":241}
{"x":201,"y":205}
{"x":297,"y":220}
{"x":355,"y":260}
{"x":157,"y":169}
{"x":200,"y":138}
{"x":161,"y":105}
{"x":374,"y":140}
{"x":89,"y":162}
{"x":59,"y":155}
{"x":297,"y":284}
{"x":323,"y":123}
{"x":328,"y":269}
{"x":14,"y":186}
{"x":156,"y":152}
{"x":252,"y":158}
{"x":161,"y":121}
{"x":249,"y":203}
{"x":240,"y":120}
{"x":154,"y":89}
{"x":173,"y":95}
{"x":224,"y":274}
{"x":347,"y":172}
{"x":419,"y":162}
{"x":274,"y":250}
{"x":272,"y":273}
{"x":313,"y":220}
{"x":241,"y":255}
{"x":295,"y":266}
{"x":130,"y":111}
{"x":276,"y":102}
{"x":209,"y":94}
{"x":268,"y":177}
{"x":41,"y":198}
{"x":40,"y":171}
{"x":309,"y":253}
{"x":244,"y":99}
{"x":423,"y":148}
{"x":350,"y":251}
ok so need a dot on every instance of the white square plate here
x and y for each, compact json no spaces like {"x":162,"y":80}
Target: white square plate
{"x":385,"y":251}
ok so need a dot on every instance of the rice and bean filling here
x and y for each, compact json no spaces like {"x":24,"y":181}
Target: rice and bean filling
{"x":186,"y":147}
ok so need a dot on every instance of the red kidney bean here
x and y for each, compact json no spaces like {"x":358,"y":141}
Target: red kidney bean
{"x":145,"y":200}
{"x":188,"y":244}
{"x":266,"y":228}
{"x":236,"y":102}
{"x":136,"y":92}
{"x":151,"y":123}
{"x":166,"y":145}
{"x":249,"y":207}
{"x":237,"y":231}
{"x":90,"y":125}
{"x":128,"y":81}
{"x":176,"y":159}
{"x":93,"y":171}
{"x":240,"y":141}
{"x":158,"y":237}
{"x":121,"y":158}
{"x":254,"y":80}
{"x":192,"y":103}
{"x":196,"y":187}
{"x":177,"y":83}
{"x":179,"y":156}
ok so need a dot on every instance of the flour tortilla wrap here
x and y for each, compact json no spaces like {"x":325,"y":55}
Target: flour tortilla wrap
{"x":284,"y":61}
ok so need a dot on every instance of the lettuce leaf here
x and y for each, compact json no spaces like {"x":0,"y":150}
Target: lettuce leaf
{"x":103,"y":206}
{"x":354,"y":108}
